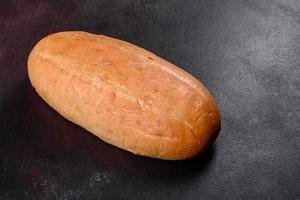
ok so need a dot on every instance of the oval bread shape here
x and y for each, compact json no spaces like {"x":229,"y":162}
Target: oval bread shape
{"x":125,"y":95}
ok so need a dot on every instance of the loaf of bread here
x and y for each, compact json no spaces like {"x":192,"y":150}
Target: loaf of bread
{"x":125,"y":95}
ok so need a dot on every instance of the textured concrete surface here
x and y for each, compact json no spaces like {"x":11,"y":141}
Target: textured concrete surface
{"x":246,"y":52}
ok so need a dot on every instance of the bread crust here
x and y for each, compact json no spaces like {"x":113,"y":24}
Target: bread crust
{"x":125,"y":95}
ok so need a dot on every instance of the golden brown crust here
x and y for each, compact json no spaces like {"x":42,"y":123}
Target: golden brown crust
{"x":125,"y":95}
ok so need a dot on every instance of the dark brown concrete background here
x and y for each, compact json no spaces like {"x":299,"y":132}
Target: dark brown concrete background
{"x":246,"y":52}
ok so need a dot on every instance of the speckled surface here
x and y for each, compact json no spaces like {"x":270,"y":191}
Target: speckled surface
{"x":246,"y":52}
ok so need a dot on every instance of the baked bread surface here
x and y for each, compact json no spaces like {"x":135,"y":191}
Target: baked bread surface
{"x":125,"y":95}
